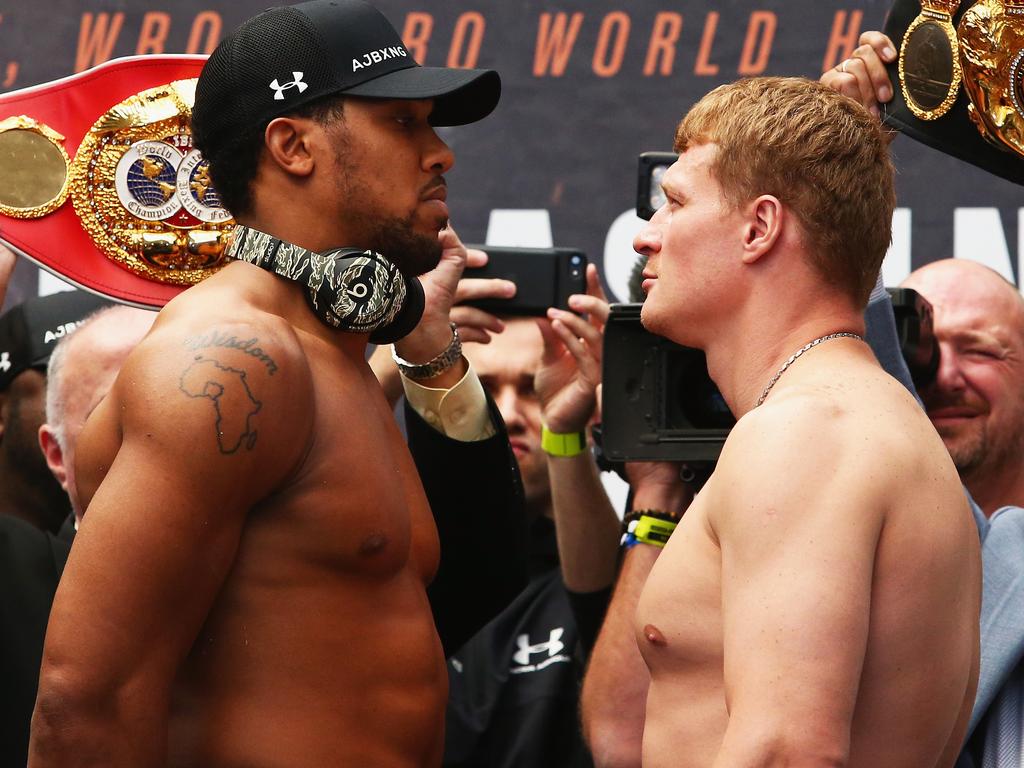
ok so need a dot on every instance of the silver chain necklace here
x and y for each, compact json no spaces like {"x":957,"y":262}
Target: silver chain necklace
{"x":793,"y":358}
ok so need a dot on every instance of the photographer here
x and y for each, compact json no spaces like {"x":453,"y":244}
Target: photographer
{"x":976,"y":404}
{"x":513,"y":696}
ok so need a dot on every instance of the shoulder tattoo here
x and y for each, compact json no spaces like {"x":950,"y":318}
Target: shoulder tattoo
{"x":228,"y":390}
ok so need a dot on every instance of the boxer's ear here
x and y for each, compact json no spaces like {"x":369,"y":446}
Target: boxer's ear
{"x":53,"y":454}
{"x":289,"y":142}
{"x":765,"y":218}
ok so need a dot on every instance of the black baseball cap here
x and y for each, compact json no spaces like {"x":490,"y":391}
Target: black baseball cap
{"x":29,"y":331}
{"x":289,"y":56}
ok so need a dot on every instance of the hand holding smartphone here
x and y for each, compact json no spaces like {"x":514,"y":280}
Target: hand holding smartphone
{"x":544,"y":277}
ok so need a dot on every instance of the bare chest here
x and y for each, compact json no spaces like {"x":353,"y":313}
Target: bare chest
{"x":356,"y":504}
{"x":678,"y":621}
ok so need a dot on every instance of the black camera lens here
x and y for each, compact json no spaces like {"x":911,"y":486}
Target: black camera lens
{"x":576,"y":261}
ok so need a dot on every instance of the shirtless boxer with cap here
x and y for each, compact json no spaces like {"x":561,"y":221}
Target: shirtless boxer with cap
{"x":248,"y":587}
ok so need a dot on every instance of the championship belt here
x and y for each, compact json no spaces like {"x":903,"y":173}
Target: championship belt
{"x":143,"y":221}
{"x":992,"y":49}
{"x":979,"y":123}
{"x":929,"y":63}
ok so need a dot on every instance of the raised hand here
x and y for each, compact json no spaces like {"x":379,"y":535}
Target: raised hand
{"x":863,"y":76}
{"x":570,"y":371}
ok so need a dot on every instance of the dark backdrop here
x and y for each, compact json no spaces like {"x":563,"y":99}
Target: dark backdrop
{"x":588,"y":84}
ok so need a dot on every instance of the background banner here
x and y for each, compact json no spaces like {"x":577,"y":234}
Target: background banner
{"x":588,"y":85}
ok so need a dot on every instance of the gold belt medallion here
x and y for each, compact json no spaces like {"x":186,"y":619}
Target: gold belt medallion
{"x":929,"y":64}
{"x":33,"y":168}
{"x":144,"y":194}
{"x":992,"y":49}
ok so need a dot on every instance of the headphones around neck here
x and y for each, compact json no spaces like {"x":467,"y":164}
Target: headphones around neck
{"x":352,"y":290}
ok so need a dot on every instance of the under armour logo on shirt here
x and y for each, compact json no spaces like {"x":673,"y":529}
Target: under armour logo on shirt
{"x":279,"y":89}
{"x":5,"y":362}
{"x":552,"y":647}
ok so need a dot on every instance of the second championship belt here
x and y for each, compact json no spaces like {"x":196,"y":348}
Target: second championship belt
{"x":992,"y":51}
{"x":929,"y":63}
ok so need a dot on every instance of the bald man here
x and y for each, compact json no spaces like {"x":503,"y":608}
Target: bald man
{"x":80,"y":373}
{"x":977,"y":399}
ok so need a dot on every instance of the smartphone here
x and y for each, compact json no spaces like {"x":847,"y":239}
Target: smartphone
{"x":544,"y":277}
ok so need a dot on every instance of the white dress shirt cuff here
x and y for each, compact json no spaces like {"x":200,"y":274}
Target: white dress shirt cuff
{"x":459,"y":413}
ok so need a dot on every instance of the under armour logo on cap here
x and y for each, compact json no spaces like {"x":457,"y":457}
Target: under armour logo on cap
{"x":280,"y":89}
{"x":5,"y":362}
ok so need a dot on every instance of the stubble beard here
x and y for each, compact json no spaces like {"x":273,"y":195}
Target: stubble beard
{"x":395,"y":238}
{"x":981,"y":451}
{"x":398,"y":241}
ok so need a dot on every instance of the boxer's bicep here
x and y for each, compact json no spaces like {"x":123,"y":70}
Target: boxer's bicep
{"x":797,"y":553}
{"x":202,"y":440}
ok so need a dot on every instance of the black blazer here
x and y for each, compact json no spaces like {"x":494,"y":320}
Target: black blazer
{"x":31,"y":561}
{"x":476,"y":495}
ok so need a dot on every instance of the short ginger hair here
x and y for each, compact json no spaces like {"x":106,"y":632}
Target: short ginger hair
{"x":820,"y":153}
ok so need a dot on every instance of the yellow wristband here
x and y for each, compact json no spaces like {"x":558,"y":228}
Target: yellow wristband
{"x":568,"y":444}
{"x":651,"y":530}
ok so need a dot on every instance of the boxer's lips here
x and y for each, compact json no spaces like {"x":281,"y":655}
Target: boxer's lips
{"x":649,"y":280}
{"x":436,"y":198}
{"x":439,"y":192}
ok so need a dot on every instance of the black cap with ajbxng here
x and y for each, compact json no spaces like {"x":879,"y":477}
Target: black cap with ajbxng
{"x":29,"y":331}
{"x":289,"y":56}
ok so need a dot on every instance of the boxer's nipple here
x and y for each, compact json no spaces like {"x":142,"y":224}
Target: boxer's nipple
{"x":654,"y":636}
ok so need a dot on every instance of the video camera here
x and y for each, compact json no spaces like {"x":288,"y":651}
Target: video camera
{"x":658,"y":401}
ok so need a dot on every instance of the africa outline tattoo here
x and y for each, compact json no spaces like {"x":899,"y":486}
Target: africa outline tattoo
{"x":235,"y":406}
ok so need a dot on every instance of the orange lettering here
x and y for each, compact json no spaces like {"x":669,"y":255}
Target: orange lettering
{"x":96,"y":41}
{"x":665,"y":35}
{"x":554,"y":44}
{"x":615,"y":24}
{"x":206,"y":24}
{"x":153,"y":33}
{"x":760,"y":32}
{"x":842,"y":41}
{"x":470,"y":19}
{"x":703,"y":65}
{"x":416,"y":34}
{"x":12,"y":74}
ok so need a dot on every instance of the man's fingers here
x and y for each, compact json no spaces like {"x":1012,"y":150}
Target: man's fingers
{"x":471,"y":317}
{"x":552,"y":345}
{"x":478,"y":335}
{"x":841,"y":82}
{"x":597,"y":308}
{"x":876,"y":72}
{"x":579,"y":329}
{"x":588,"y":365}
{"x":881,"y":43}
{"x":473,"y":288}
{"x":475,"y":258}
{"x":594,"y":287}
{"x":865,"y":89}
